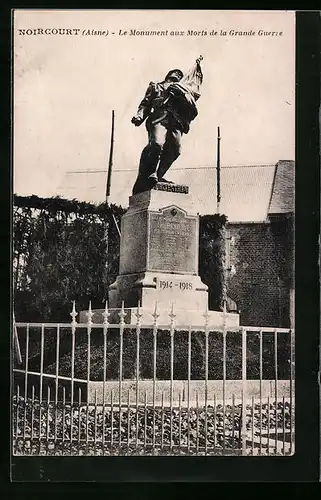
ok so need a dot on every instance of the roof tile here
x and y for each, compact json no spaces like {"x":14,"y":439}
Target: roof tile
{"x":246,"y":191}
{"x":282,"y":199}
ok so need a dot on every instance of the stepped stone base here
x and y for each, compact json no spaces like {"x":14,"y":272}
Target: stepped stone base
{"x":159,"y":263}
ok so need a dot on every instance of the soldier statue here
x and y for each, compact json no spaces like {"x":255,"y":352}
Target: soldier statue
{"x":168,"y":107}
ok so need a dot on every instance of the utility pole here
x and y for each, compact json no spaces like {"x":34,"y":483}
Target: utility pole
{"x":218,"y":211}
{"x":110,"y":167}
{"x":218,"y":171}
{"x":107,"y":194}
{"x":111,"y":153}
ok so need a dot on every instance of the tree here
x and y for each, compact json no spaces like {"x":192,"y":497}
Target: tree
{"x":60,"y":255}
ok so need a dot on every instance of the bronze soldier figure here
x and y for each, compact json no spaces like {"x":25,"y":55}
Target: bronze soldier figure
{"x":169,"y":108}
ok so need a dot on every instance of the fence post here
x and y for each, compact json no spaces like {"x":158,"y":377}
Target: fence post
{"x":122,"y":314}
{"x":106,"y":315}
{"x":73,"y":314}
{"x":16,"y":341}
{"x":138,"y":326}
{"x":89,"y":315}
{"x":155,"y":329}
{"x":276,"y":387}
{"x":206,"y":317}
{"x":224,"y":335}
{"x":189,"y":367}
{"x":291,"y":388}
{"x":244,"y":392}
{"x":172,"y":316}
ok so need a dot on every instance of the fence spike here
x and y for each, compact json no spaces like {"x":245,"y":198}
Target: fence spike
{"x":122,"y":314}
{"x":155,"y":314}
{"x":172,"y":313}
{"x":106,"y":314}
{"x":89,"y":314}
{"x":73,"y":313}
{"x":138,"y":313}
{"x":206,"y":316}
{"x":224,"y":314}
{"x":172,"y":316}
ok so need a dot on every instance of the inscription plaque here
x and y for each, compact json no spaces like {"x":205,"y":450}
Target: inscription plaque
{"x":173,"y":242}
{"x":174,"y":285}
{"x":172,"y":188}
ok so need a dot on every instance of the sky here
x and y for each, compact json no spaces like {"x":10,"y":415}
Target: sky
{"x":65,"y":87}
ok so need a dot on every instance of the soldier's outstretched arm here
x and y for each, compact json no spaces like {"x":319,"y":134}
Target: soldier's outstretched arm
{"x":145,"y":106}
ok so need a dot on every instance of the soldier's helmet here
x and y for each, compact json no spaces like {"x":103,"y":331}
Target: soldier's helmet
{"x":178,"y":71}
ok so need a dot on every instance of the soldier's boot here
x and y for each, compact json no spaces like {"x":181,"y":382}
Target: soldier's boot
{"x":167,"y":158}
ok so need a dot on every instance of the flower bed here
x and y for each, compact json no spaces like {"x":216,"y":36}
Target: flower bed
{"x":88,"y":430}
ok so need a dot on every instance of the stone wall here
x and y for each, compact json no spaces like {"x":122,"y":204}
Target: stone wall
{"x":232,"y":387}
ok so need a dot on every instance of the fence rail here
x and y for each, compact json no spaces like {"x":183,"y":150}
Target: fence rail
{"x":110,"y":389}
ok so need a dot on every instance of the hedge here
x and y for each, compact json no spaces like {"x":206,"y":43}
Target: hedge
{"x":67,"y":250}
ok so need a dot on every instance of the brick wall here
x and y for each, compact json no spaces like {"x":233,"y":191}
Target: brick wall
{"x":257,"y":281}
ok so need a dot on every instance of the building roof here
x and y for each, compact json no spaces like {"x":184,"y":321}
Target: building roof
{"x":246,"y":191}
{"x":282,"y":198}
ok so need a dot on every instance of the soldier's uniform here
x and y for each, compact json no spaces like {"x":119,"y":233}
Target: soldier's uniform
{"x":168,"y":108}
{"x":164,"y":136}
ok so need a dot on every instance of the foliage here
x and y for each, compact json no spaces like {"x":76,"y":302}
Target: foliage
{"x":233,"y":354}
{"x":212,"y":258}
{"x":67,"y":250}
{"x":63,"y":251}
{"x":81,"y":430}
{"x":180,"y":357}
{"x":185,"y":428}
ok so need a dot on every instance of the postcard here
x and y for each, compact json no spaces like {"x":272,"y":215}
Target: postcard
{"x":153,"y":238}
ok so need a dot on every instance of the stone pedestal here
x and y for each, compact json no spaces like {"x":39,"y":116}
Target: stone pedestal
{"x":159,"y":261}
{"x":159,"y":254}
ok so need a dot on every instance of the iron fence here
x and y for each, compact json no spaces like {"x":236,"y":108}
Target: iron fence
{"x":138,"y":389}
